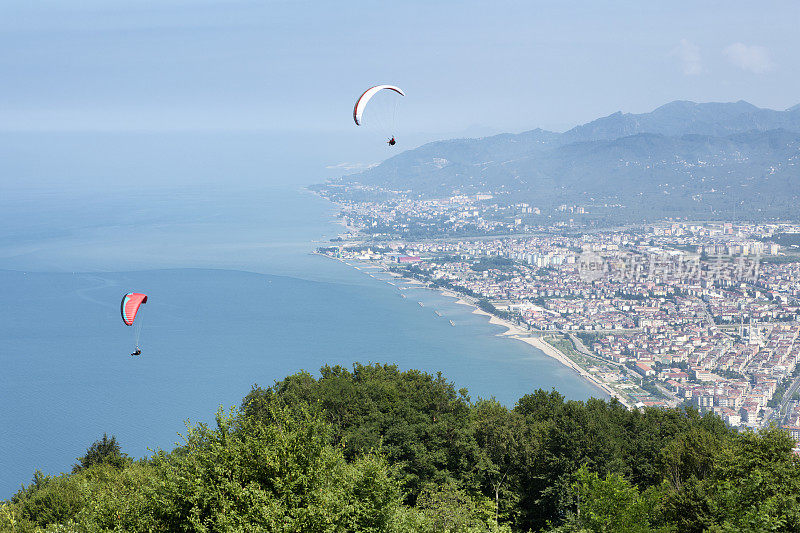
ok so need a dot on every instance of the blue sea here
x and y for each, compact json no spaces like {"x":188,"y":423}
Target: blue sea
{"x":235,"y":297}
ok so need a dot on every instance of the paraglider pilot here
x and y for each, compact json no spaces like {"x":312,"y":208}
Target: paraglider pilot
{"x":129,"y":307}
{"x":391,"y":142}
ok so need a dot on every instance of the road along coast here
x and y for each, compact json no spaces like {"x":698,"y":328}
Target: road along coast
{"x":516,"y":332}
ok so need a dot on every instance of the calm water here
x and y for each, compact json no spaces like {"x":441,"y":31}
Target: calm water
{"x":235,"y":298}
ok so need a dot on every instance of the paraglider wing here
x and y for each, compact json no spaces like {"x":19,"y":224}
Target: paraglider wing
{"x":130,"y":306}
{"x":361,"y":103}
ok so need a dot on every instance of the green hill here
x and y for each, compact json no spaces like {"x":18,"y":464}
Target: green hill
{"x":378,"y":449}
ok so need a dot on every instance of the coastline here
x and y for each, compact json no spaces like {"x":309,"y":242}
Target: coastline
{"x":512,"y":330}
{"x":558,"y":355}
{"x":515,"y":332}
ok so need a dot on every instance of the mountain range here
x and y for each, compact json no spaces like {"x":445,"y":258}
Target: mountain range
{"x":683,"y":159}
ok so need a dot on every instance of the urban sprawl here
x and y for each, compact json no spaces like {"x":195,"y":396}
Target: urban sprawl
{"x":694,"y":313}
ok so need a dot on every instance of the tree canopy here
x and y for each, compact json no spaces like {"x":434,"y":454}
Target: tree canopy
{"x":374,"y":448}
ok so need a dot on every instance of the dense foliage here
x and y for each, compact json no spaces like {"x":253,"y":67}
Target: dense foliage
{"x":377,"y":449}
{"x":104,"y":451}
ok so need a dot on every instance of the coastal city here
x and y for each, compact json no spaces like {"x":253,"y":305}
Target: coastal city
{"x":673,"y":313}
{"x":400,"y":267}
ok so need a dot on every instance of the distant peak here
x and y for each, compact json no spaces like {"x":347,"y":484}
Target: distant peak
{"x":538,"y":131}
{"x":688,"y":104}
{"x":745,"y":103}
{"x":675,"y":104}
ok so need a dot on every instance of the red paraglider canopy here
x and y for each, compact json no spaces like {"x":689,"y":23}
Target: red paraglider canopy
{"x":130,"y":306}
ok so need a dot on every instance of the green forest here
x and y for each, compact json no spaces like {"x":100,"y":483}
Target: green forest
{"x":374,"y":448}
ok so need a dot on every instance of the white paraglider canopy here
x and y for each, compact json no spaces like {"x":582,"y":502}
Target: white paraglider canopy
{"x":361,"y":103}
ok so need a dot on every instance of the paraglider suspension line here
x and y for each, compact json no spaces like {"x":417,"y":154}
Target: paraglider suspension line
{"x":394,"y":118}
{"x":138,"y":331}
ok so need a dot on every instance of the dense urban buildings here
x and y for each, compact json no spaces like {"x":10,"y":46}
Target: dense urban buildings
{"x":680,"y":312}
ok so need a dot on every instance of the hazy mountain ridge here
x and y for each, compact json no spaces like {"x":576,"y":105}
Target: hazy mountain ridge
{"x":698,"y":155}
{"x":683,"y":117}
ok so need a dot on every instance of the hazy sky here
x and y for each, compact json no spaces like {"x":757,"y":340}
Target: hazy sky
{"x":273,"y":65}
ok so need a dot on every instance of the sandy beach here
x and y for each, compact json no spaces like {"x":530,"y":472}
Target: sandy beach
{"x":513,"y":329}
{"x":516,"y":332}
{"x":556,"y":354}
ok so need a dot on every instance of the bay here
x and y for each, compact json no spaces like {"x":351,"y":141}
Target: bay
{"x":236,"y":297}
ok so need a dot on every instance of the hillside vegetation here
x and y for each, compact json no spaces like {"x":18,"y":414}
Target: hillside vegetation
{"x":378,"y":449}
